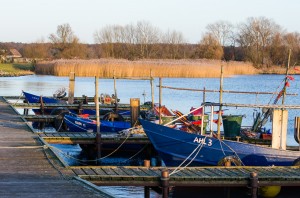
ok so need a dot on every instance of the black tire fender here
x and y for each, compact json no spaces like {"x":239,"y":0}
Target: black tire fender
{"x":232,"y":159}
{"x":112,"y":116}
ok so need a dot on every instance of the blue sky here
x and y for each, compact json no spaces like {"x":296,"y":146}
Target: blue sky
{"x":31,"y":20}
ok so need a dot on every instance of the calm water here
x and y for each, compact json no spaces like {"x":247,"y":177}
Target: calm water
{"x":174,"y":99}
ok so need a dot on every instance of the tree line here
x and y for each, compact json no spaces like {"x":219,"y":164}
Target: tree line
{"x":258,"y":40}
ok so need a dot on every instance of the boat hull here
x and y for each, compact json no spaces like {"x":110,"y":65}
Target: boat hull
{"x":77,"y":124}
{"x":175,"y":146}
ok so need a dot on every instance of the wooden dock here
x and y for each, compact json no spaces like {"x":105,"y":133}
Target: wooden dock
{"x":27,"y":169}
{"x":27,"y":162}
{"x":192,"y":176}
{"x":90,"y":138}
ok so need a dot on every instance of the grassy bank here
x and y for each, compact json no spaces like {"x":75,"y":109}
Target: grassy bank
{"x":106,"y":68}
{"x":8,"y":69}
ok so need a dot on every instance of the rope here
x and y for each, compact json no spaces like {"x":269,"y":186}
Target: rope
{"x":53,"y":165}
{"x":18,"y":98}
{"x":79,"y":160}
{"x":134,"y":155}
{"x":176,"y":170}
{"x":233,"y":152}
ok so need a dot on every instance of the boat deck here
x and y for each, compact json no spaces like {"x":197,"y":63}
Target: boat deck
{"x":27,"y":168}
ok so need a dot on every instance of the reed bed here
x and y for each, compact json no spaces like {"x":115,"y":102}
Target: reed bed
{"x":107,"y":68}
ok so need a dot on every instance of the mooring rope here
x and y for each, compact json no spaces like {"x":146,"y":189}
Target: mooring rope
{"x":179,"y":168}
{"x":233,"y":152}
{"x":79,"y":160}
{"x":134,"y":155}
{"x":18,"y":98}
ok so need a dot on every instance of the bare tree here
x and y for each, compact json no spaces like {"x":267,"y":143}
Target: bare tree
{"x":146,"y":34}
{"x":255,"y":36}
{"x":222,"y":31}
{"x":104,"y":36}
{"x":174,"y":40}
{"x":65,"y":43}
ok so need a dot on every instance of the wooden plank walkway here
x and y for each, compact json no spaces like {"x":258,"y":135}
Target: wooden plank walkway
{"x":90,"y":138}
{"x":27,"y":169}
{"x":192,"y":176}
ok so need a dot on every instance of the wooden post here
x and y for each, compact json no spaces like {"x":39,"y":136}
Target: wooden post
{"x":98,"y":134}
{"x":25,"y":110}
{"x":297,"y":130}
{"x":135,"y":110}
{"x":147,"y":192}
{"x":71,"y":87}
{"x":165,"y":183}
{"x":42,"y":106}
{"x":279,"y":128}
{"x":203,"y":112}
{"x":220,"y":101}
{"x":211,"y":120}
{"x":254,"y":184}
{"x":160,"y":96}
{"x":283,"y":124}
{"x":147,"y":163}
{"x":152,"y":89}
{"x":146,"y":188}
{"x":116,"y":96}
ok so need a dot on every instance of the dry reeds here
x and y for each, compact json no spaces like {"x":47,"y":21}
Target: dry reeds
{"x":106,"y":68}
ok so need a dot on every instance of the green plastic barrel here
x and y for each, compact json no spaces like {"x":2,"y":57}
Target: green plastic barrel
{"x":195,"y":118}
{"x":167,"y":119}
{"x":232,"y":125}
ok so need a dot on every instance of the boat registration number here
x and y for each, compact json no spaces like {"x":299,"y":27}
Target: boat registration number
{"x":204,"y":141}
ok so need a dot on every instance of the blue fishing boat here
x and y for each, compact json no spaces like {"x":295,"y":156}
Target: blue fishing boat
{"x":79,"y":124}
{"x":178,"y":147}
{"x":31,"y":98}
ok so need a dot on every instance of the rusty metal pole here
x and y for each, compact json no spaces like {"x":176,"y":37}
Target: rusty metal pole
{"x":165,"y":183}
{"x":98,"y":134}
{"x":254,"y":184}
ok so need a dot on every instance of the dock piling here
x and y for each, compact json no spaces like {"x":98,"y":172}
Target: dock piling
{"x":71,"y":87}
{"x":135,"y":110}
{"x":254,"y":184}
{"x":165,"y":177}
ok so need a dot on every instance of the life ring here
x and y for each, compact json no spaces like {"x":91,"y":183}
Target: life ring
{"x":59,"y":123}
{"x":296,"y":162}
{"x":233,"y":160}
{"x":112,"y":116}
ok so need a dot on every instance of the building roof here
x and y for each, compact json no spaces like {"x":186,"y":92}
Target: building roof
{"x":14,"y":53}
